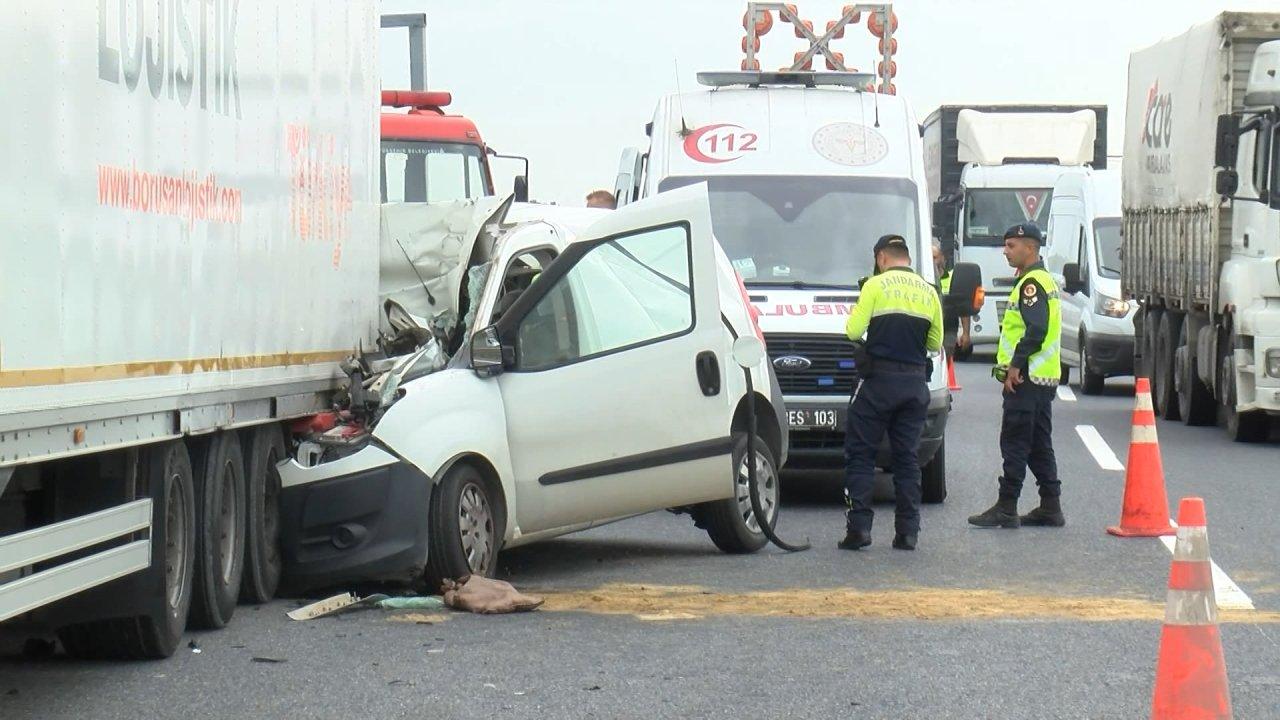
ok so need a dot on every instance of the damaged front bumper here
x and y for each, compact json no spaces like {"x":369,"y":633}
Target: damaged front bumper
{"x":358,"y":518}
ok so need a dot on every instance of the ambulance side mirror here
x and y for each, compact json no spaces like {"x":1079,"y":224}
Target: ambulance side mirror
{"x":966,"y":285}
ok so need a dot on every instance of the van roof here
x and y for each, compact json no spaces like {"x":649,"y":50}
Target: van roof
{"x":792,"y":130}
{"x":1101,"y":186}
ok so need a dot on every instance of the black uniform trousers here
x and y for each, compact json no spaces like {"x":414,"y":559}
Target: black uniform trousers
{"x":898,"y":403}
{"x":1026,"y":439}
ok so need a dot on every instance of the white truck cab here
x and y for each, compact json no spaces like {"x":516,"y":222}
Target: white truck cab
{"x":1084,"y":257}
{"x":1013,"y":161}
{"x":805,"y":170}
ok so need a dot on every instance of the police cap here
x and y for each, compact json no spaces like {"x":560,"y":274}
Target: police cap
{"x":887,"y":241}
{"x":1027,"y":230}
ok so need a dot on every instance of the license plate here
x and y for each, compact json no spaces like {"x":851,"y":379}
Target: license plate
{"x":813,"y":419}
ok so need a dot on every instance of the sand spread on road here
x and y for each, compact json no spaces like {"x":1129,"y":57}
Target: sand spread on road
{"x":666,"y":603}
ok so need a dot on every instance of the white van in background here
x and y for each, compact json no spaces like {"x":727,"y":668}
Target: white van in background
{"x":806,"y":170}
{"x":1084,"y":257}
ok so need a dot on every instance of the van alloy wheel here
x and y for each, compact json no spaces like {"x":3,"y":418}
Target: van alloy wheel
{"x":475,"y":526}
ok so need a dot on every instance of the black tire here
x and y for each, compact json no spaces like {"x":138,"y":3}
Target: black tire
{"x":1195,"y":401}
{"x":220,"y":494}
{"x":457,"y":547}
{"x":263,"y":450}
{"x":1091,"y":382}
{"x":1247,"y":427}
{"x":933,"y":477}
{"x":730,"y":522}
{"x":166,"y":585}
{"x":1162,"y":386}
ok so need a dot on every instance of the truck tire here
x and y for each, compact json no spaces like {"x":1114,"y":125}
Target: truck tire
{"x":1150,"y":330}
{"x":933,"y":477}
{"x":1246,"y":427}
{"x":166,"y":585}
{"x":463,"y":527}
{"x":1091,"y":381}
{"x":263,"y":450}
{"x":220,"y":514}
{"x":1162,"y":390}
{"x":731,"y":523}
{"x":1195,"y":402}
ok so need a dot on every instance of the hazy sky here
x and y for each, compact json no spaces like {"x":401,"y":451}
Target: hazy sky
{"x":569,"y":83}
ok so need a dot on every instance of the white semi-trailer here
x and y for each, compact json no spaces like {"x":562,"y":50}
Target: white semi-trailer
{"x":188,"y":244}
{"x":1201,"y":228}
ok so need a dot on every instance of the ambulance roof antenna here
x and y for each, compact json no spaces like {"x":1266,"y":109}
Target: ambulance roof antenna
{"x":875,"y":91}
{"x":684,"y":127}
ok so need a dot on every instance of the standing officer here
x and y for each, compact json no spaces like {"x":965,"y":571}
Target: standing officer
{"x":1029,"y":365}
{"x":902,"y":318}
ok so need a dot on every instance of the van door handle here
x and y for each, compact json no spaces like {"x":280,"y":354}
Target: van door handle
{"x":708,"y":370}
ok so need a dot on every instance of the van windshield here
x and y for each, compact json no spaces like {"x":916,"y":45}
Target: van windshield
{"x":805,"y":231}
{"x":1106,"y":233}
{"x":989,"y":213}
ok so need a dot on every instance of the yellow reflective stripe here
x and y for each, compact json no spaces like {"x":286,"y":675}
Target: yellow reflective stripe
{"x":880,"y":312}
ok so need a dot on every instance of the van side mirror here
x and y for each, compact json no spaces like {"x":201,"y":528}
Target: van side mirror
{"x":1227,"y":143}
{"x":965,"y":297}
{"x":1227,"y":182}
{"x":1072,"y":280}
{"x":488,"y":357}
{"x":520,"y":189}
{"x":944,"y":219}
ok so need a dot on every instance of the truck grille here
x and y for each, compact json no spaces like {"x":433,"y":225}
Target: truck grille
{"x":831,"y":364}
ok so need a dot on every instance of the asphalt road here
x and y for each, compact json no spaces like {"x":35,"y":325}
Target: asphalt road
{"x":1033,"y":623}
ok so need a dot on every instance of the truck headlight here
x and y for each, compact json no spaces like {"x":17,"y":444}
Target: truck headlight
{"x":1273,"y":362}
{"x":1112,"y":307}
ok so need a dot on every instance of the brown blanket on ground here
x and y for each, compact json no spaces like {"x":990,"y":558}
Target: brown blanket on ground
{"x":481,"y":595}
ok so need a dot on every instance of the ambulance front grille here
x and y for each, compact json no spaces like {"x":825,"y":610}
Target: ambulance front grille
{"x":830,"y":371}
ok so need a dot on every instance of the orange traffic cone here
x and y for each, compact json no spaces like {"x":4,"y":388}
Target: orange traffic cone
{"x":952,"y":382}
{"x":1191,"y":675}
{"x":1146,"y":507}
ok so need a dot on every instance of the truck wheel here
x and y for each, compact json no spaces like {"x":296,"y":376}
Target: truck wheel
{"x":157,"y":633}
{"x":1091,"y":382}
{"x":220,"y":513}
{"x":1195,"y":402}
{"x":1246,"y":427}
{"x":1162,"y":390}
{"x":264,"y":449}
{"x":933,"y":477}
{"x":1150,"y":330}
{"x":731,"y":523}
{"x":462,"y":527}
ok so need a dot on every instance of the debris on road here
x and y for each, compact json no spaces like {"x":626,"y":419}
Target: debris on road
{"x":484,"y":596}
{"x":347,"y":601}
{"x":419,"y":618}
{"x":269,"y":660}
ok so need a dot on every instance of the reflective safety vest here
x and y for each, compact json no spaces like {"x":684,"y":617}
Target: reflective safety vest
{"x":944,"y":282}
{"x":1044,"y":365}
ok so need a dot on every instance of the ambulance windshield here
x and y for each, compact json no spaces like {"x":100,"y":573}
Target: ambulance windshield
{"x":805,"y":231}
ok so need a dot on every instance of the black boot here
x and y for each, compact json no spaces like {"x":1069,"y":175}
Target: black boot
{"x":1004,"y":514}
{"x":854,"y":540}
{"x":904,"y":542}
{"x":1049,"y":514}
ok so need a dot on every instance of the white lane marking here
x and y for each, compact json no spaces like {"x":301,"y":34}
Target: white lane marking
{"x":1225,"y":590}
{"x":1099,"y":448}
{"x":1065,"y":394}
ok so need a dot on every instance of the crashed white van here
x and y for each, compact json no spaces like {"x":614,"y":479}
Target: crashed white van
{"x":564,"y":369}
{"x":806,"y":171}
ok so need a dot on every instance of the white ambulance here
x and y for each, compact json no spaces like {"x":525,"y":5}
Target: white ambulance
{"x":806,"y":170}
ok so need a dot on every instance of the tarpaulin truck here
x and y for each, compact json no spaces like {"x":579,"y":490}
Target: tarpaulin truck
{"x":993,"y":166}
{"x":189,"y":242}
{"x":1201,"y":227}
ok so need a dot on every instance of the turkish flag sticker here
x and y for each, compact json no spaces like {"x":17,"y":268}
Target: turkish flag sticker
{"x":1032,"y":201}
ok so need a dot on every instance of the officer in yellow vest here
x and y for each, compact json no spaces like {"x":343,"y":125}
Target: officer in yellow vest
{"x":958,"y":344}
{"x":902,"y":317}
{"x":1028,"y":364}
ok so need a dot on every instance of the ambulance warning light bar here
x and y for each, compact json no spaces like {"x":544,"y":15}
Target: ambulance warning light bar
{"x":756,"y":78}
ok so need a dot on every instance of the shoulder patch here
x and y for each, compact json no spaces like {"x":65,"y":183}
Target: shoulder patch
{"x":1029,"y":289}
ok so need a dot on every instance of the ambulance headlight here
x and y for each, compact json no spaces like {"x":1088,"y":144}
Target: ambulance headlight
{"x":1111,"y":307}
